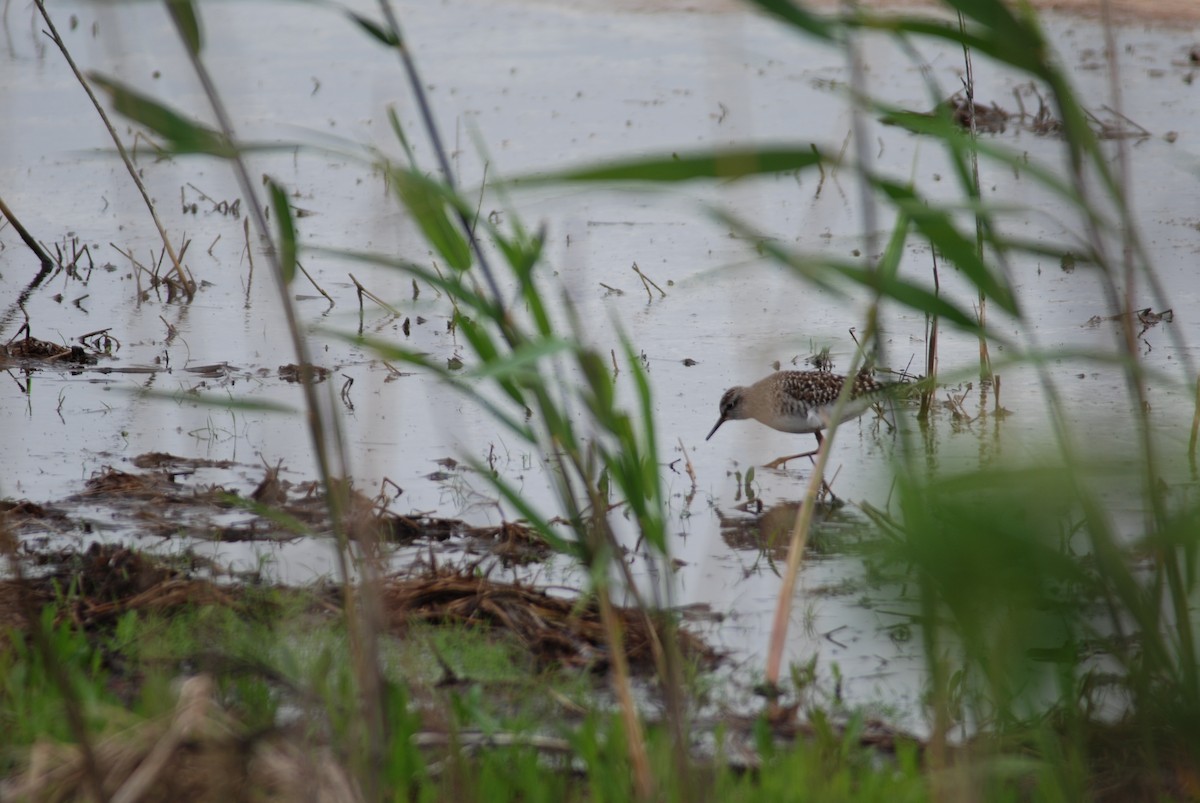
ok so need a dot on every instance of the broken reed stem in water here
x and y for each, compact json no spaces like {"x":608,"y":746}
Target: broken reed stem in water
{"x":29,"y":239}
{"x":985,"y":360}
{"x":931,"y":351}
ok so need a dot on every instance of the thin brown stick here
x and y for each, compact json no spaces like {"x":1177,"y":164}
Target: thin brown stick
{"x":647,"y":282}
{"x":362,"y":291}
{"x":249,"y":258}
{"x":687,"y":464}
{"x":191,"y":712}
{"x":985,"y":360}
{"x":185,"y":278}
{"x":33,"y":244}
{"x":931,"y":361}
{"x":313,"y":282}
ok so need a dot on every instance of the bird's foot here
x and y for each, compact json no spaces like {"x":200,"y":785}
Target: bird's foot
{"x":779,"y":462}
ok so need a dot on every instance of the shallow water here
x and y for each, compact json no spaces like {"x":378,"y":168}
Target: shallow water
{"x":547,"y":87}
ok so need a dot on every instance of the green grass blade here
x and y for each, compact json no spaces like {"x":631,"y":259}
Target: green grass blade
{"x":938,"y":228}
{"x":388,"y":350}
{"x":377,"y":31}
{"x":727,"y":164}
{"x":907,"y":293}
{"x":208,"y":400}
{"x":183,"y":12}
{"x":799,"y":17}
{"x":522,"y":362}
{"x":426,"y":201}
{"x":287,"y":231}
{"x":182,"y":135}
{"x":452,"y":285}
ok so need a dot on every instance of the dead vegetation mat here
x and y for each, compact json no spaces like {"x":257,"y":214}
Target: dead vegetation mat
{"x":95,"y":587}
{"x":555,"y":630}
{"x":199,"y":751}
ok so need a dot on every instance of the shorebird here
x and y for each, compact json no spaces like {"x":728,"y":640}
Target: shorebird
{"x":797,"y":401}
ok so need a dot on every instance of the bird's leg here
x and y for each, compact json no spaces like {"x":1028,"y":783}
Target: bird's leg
{"x":833,"y":500}
{"x":779,"y":462}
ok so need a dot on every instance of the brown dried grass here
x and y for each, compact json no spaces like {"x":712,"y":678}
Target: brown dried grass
{"x":556,"y":630}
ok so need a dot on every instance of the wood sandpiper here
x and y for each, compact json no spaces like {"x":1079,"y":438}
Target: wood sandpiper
{"x":797,"y":401}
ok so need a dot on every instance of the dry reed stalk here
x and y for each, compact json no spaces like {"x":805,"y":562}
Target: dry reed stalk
{"x":187,"y":283}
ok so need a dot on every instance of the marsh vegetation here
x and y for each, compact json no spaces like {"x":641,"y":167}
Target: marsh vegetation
{"x":442,"y":386}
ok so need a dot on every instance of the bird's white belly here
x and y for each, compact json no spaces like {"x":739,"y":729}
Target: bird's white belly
{"x":812,"y":419}
{"x":809,"y":421}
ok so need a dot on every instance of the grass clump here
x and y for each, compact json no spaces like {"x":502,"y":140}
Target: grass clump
{"x":199,"y":701}
{"x":1058,"y":643}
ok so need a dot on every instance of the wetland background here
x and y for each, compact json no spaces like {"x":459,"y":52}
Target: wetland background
{"x":516,"y":354}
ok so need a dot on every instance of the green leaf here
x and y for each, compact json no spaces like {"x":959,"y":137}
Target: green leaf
{"x":485,"y":349}
{"x":287,"y":231}
{"x":888,"y":266}
{"x":426,"y":201}
{"x":521,"y":361}
{"x":518,"y":499}
{"x":800,"y":18}
{"x":390,"y":351}
{"x":224,"y":402}
{"x":907,"y":293}
{"x":981,"y":40}
{"x":943,"y":129}
{"x":938,"y":228}
{"x":182,"y":135}
{"x":183,"y":13}
{"x":375,"y":29}
{"x":816,"y":271}
{"x":398,"y":130}
{"x":451,"y":285}
{"x":727,"y":164}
